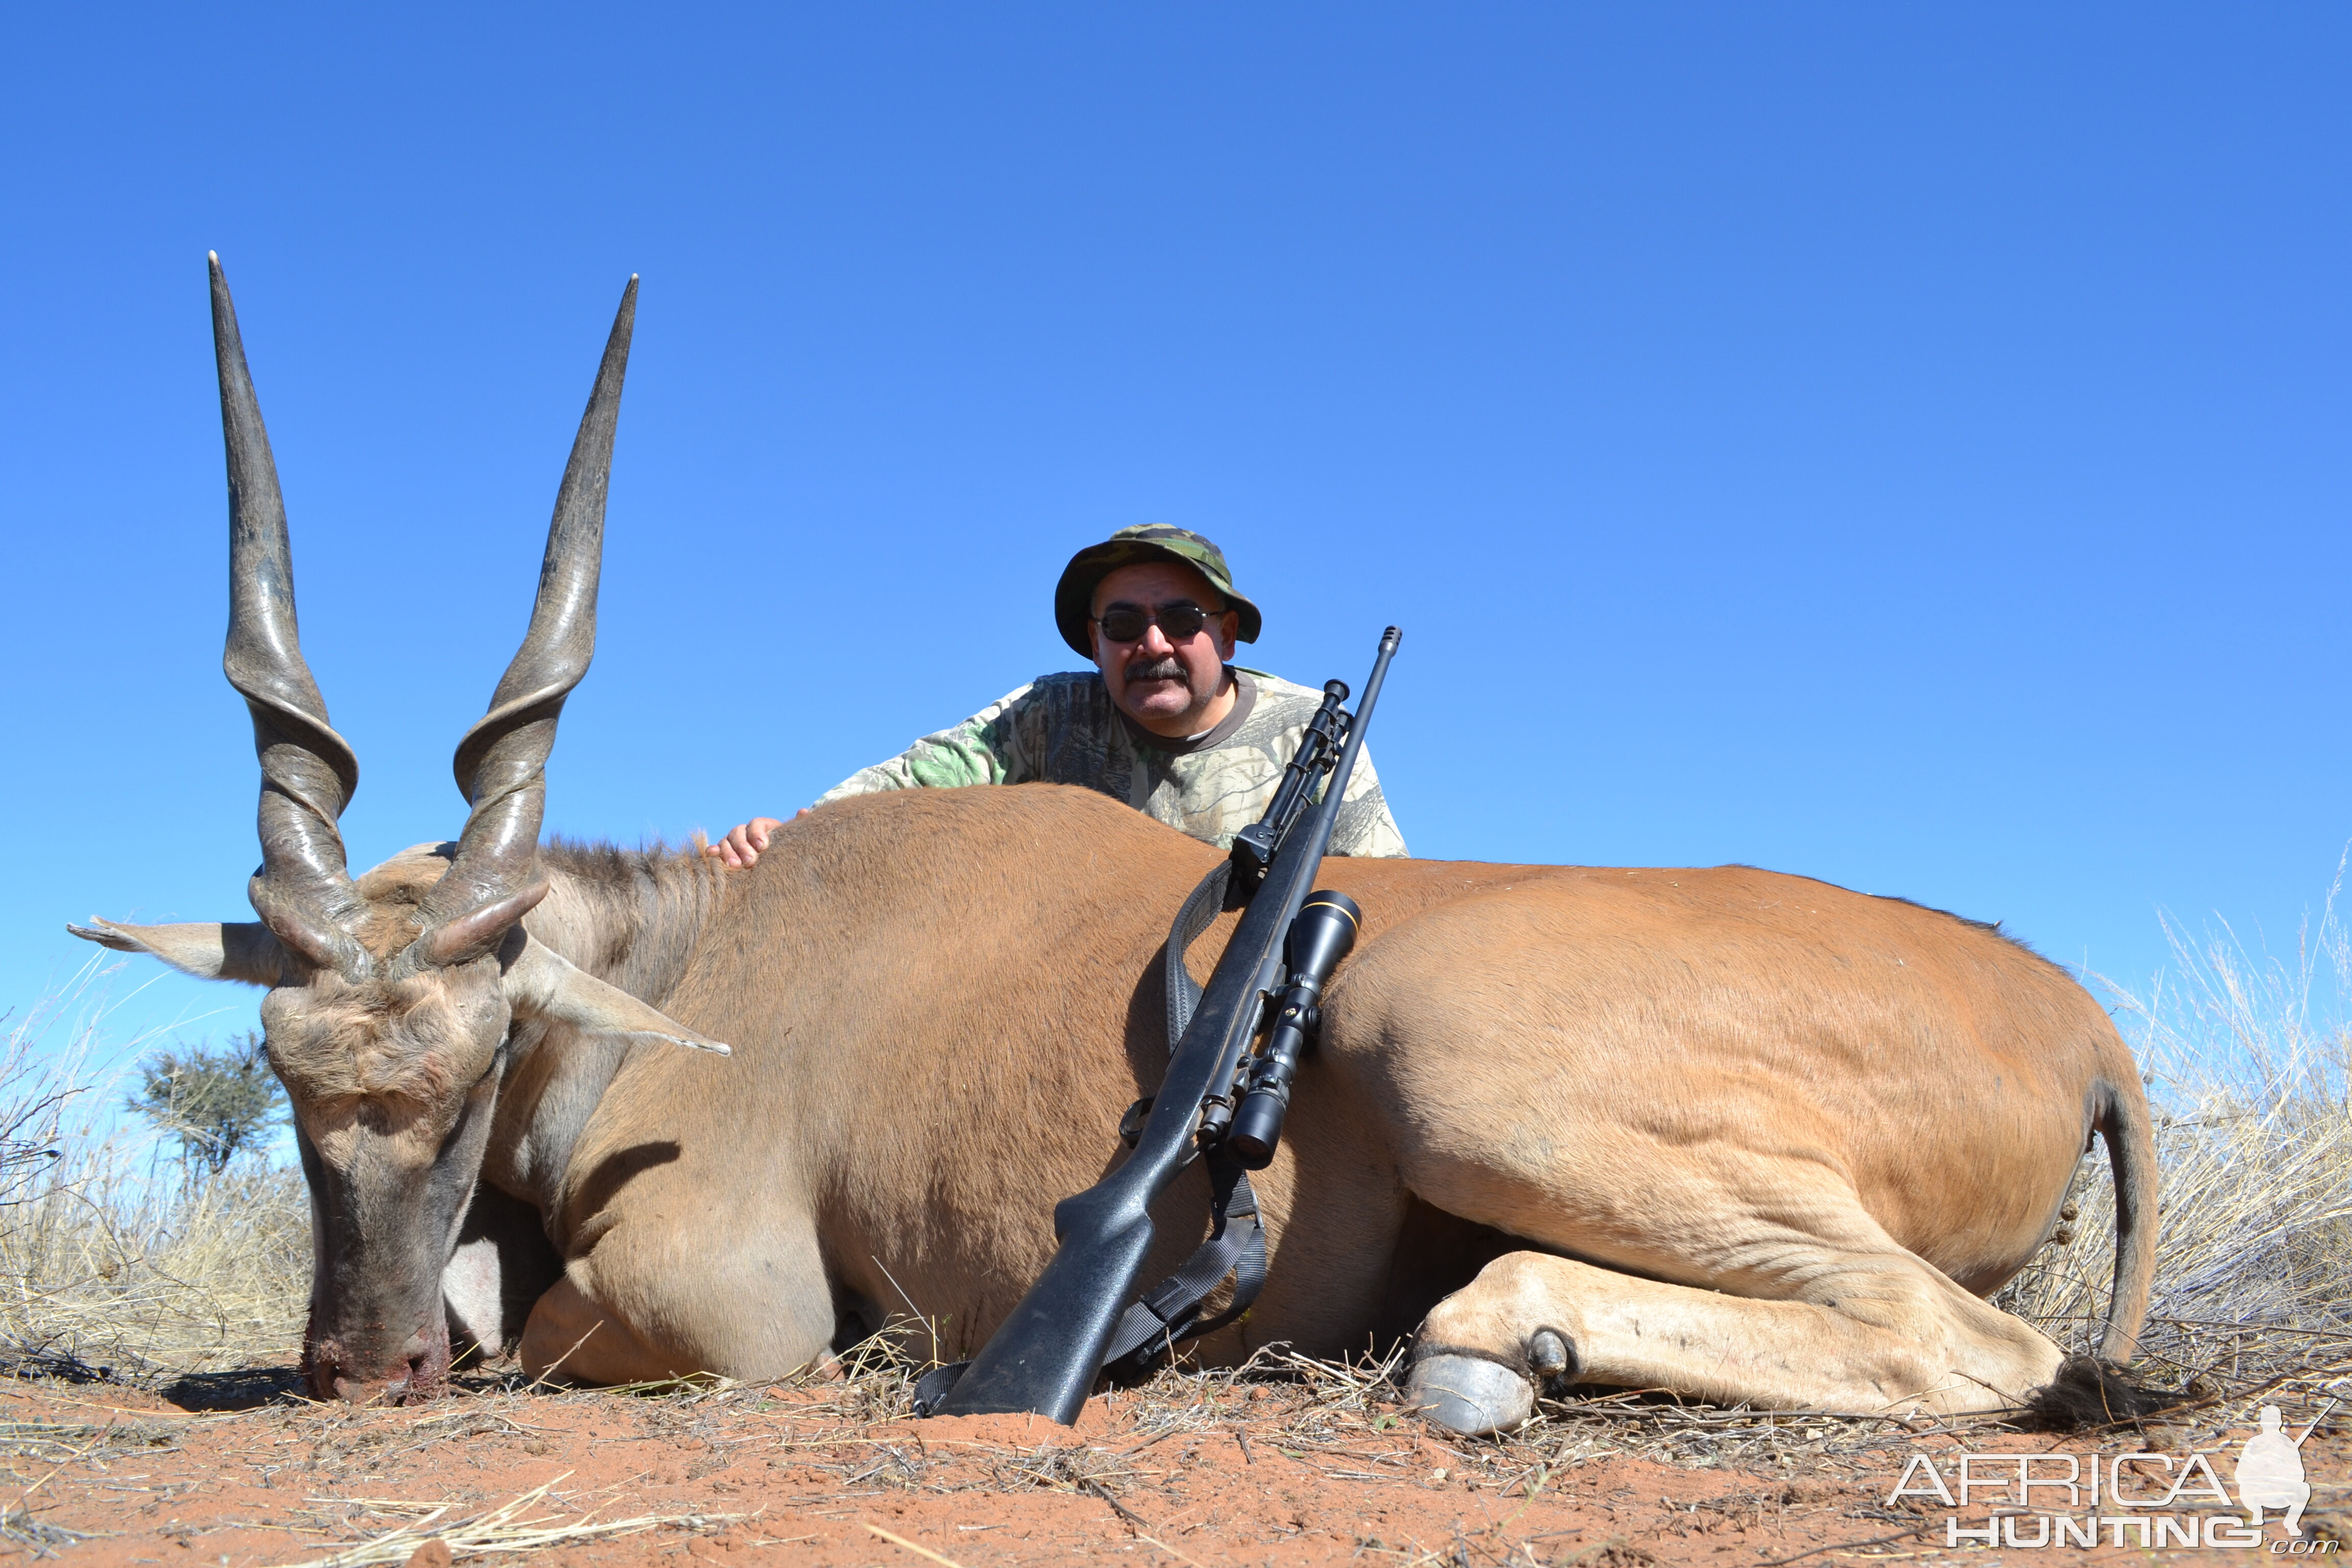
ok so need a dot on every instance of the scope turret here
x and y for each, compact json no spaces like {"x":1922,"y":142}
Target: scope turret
{"x":1319,"y":938}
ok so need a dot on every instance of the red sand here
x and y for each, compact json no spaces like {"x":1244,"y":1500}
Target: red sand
{"x":763,"y":1480}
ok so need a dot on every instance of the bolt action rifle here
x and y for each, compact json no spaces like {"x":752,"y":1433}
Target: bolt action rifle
{"x":1046,"y":1356}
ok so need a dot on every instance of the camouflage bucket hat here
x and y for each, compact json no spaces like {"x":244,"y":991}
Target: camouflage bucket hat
{"x":1074,"y":595}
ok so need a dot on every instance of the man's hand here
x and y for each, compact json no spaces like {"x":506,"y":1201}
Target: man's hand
{"x":743,"y":845}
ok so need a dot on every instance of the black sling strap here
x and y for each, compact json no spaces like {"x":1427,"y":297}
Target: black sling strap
{"x":1169,"y":1313}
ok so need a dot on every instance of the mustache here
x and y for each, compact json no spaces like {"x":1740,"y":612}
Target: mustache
{"x":1162,"y":669}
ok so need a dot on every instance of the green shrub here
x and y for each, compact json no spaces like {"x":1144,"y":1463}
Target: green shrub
{"x":218,"y":1103}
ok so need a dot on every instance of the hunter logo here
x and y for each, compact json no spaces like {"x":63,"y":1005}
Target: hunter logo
{"x":2270,"y":1472}
{"x":2138,"y":1499}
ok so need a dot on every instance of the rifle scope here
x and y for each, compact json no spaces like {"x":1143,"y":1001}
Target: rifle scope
{"x":1319,"y":938}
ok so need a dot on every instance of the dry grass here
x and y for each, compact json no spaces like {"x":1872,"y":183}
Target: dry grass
{"x":114,"y":1260}
{"x":2247,"y":1057}
{"x":524,"y":1523}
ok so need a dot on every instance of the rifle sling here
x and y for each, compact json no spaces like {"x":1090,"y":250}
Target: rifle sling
{"x":1169,"y":1313}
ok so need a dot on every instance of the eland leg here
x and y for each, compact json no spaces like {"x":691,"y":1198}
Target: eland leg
{"x":572,"y":1338}
{"x":502,"y":1265}
{"x":1868,"y":1333}
{"x":652,"y":1301}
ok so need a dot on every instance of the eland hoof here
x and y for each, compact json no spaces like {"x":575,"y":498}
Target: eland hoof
{"x":1472,"y":1396}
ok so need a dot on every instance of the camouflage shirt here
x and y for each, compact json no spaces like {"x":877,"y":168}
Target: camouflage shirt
{"x":1063,"y":729}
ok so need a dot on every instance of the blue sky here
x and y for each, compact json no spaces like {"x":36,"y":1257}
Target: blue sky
{"x":1904,"y":446}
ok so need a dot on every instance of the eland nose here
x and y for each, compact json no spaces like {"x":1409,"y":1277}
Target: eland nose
{"x":396,"y":1386}
{"x":392,"y":1388}
{"x":367,"y":1391}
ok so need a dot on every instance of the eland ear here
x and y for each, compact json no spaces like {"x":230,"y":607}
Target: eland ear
{"x":541,"y":981}
{"x":209,"y":950}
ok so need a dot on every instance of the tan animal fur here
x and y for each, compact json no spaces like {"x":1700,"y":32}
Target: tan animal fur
{"x":1781,"y":1124}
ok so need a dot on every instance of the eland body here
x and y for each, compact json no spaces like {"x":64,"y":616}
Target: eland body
{"x":1745,"y":1136}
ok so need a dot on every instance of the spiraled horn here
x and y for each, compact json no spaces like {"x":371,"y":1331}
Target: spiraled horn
{"x":302,"y":891}
{"x":501,"y":763}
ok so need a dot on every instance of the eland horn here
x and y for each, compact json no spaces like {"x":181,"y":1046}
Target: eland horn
{"x":501,"y":763}
{"x":303,"y":891}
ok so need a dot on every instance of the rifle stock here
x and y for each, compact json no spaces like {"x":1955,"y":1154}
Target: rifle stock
{"x":1046,"y":1354}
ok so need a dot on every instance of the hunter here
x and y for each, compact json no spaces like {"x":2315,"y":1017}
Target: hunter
{"x":1165,"y":721}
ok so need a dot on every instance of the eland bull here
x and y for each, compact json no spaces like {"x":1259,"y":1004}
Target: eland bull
{"x":1740,"y":1135}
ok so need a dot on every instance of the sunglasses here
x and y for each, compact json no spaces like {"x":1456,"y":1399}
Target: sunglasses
{"x":1180,"y":618}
